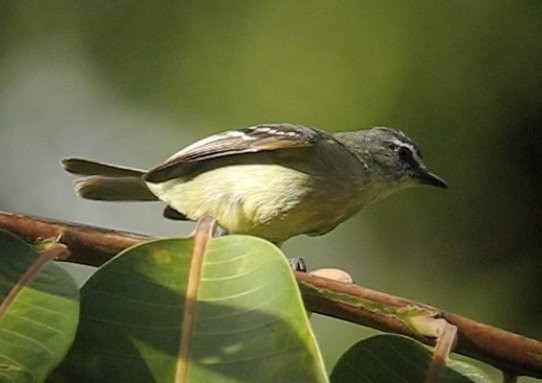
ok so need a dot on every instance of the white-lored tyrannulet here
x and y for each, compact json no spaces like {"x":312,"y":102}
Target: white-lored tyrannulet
{"x":274,"y":181}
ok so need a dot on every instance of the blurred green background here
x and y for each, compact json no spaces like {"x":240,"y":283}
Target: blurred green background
{"x":132,"y":82}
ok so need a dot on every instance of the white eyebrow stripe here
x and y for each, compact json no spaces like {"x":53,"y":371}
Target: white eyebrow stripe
{"x":410,"y":147}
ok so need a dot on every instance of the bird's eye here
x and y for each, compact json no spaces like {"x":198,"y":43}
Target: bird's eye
{"x":404,"y":153}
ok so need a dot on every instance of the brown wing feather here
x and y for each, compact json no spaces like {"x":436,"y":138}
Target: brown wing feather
{"x":235,"y":142}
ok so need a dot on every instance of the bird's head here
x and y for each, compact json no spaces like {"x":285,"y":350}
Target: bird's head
{"x":393,"y":159}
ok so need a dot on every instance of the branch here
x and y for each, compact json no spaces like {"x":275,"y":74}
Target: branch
{"x":513,"y":354}
{"x":87,"y":245}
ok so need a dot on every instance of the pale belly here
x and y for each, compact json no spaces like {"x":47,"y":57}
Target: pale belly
{"x":268,"y":201}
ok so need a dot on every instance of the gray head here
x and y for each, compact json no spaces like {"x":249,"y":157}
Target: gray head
{"x":392,"y":156}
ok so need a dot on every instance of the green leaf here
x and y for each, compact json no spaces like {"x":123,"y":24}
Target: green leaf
{"x":249,"y":325}
{"x":38,"y":313}
{"x":394,"y":358}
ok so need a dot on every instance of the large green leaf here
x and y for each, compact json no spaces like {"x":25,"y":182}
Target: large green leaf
{"x":394,"y":358}
{"x":249,"y":321}
{"x":39,"y":312}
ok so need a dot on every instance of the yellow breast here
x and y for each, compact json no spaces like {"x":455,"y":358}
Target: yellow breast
{"x":266,"y":200}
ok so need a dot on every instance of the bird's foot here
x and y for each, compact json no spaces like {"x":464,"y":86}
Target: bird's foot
{"x":298,"y":264}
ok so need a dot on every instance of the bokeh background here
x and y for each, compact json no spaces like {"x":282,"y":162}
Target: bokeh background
{"x":132,"y":82}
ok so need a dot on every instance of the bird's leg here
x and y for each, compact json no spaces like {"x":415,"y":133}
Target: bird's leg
{"x":298,"y":264}
{"x":220,"y":231}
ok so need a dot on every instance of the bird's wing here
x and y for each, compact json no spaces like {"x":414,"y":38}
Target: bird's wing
{"x":235,"y":142}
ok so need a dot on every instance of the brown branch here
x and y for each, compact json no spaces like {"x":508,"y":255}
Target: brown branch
{"x":87,"y":245}
{"x":514,"y":354}
{"x":509,"y":352}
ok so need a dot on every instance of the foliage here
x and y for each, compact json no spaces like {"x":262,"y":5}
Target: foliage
{"x":247,"y":321}
{"x":39,"y":312}
{"x":393,"y":358}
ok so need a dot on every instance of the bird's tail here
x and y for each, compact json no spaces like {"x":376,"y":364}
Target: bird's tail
{"x":107,"y":182}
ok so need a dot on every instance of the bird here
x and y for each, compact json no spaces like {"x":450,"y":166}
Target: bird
{"x":273,"y":181}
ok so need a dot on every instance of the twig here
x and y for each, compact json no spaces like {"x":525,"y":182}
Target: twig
{"x":515,"y":354}
{"x":445,"y":343}
{"x":202,"y":236}
{"x":86,"y":245}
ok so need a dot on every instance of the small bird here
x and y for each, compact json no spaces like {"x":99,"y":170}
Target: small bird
{"x":273,"y":181}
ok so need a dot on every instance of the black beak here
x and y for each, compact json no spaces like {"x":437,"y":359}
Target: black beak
{"x":425,"y":177}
